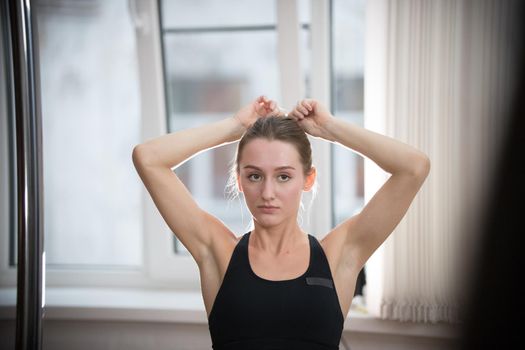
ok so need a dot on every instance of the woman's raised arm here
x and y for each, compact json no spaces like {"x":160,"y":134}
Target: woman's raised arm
{"x":155,"y":159}
{"x":366,"y":231}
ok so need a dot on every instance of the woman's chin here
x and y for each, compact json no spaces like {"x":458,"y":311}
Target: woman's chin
{"x":267,"y":220}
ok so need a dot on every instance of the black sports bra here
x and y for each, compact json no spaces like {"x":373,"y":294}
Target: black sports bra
{"x":250,"y":312}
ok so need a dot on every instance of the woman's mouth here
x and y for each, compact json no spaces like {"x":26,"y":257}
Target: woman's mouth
{"x":268,"y":209}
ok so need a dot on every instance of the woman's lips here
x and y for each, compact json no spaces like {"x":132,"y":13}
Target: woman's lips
{"x":268,"y":209}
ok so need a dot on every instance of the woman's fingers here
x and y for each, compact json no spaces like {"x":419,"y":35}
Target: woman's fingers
{"x":263,"y":105}
{"x":262,"y":99}
{"x":300,"y":107}
{"x":274,"y":110}
{"x":297,"y":115}
{"x":306,"y":104}
{"x":267,"y":107}
{"x":270,"y":107}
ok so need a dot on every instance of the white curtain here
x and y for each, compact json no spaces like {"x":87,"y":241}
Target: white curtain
{"x":437,"y":77}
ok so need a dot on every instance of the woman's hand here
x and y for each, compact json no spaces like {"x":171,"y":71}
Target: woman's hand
{"x":313,"y":117}
{"x":261,"y":107}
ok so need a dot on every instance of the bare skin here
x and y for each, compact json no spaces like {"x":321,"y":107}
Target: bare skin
{"x":278,"y":248}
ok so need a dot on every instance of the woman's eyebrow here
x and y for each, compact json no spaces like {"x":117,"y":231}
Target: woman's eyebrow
{"x":278,"y":168}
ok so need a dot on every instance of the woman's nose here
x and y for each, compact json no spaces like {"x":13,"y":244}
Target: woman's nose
{"x":268,"y":190}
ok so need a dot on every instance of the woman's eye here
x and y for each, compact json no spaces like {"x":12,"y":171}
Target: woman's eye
{"x":254,"y":177}
{"x":284,"y":177}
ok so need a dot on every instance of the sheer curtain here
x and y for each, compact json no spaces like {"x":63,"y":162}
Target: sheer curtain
{"x":437,"y":75}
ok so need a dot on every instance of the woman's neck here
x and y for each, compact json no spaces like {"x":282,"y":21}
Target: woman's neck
{"x":277,"y":240}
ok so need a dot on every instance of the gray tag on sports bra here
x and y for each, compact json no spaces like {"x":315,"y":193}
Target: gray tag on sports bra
{"x":320,"y":281}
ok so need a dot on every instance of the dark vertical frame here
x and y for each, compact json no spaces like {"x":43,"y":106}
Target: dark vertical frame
{"x":28,"y":134}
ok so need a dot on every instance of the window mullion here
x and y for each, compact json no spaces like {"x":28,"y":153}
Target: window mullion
{"x":321,"y":221}
{"x":291,"y":78}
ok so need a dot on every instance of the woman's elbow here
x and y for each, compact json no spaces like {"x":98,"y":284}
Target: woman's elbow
{"x":141,"y":155}
{"x":422,"y":166}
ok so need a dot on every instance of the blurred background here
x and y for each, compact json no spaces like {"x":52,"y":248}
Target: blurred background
{"x":438,"y":75}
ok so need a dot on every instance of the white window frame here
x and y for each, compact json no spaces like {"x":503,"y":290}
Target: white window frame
{"x":161,"y":267}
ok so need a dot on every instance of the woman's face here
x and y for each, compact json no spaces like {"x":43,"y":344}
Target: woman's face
{"x":272,"y":180}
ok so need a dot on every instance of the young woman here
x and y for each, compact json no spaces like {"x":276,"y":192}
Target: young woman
{"x":276,"y":285}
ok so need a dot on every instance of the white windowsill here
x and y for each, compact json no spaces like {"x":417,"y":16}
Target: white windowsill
{"x":144,"y":305}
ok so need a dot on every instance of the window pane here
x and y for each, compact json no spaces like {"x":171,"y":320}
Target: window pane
{"x":348,"y":101}
{"x":217,"y":13}
{"x":90,"y":110}
{"x":209,"y":74}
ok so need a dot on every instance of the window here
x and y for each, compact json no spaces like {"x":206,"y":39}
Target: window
{"x":90,"y":113}
{"x":90,"y":98}
{"x":96,"y":218}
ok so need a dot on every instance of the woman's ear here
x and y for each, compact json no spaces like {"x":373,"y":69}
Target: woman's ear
{"x":310,"y":179}
{"x":239,"y":186}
